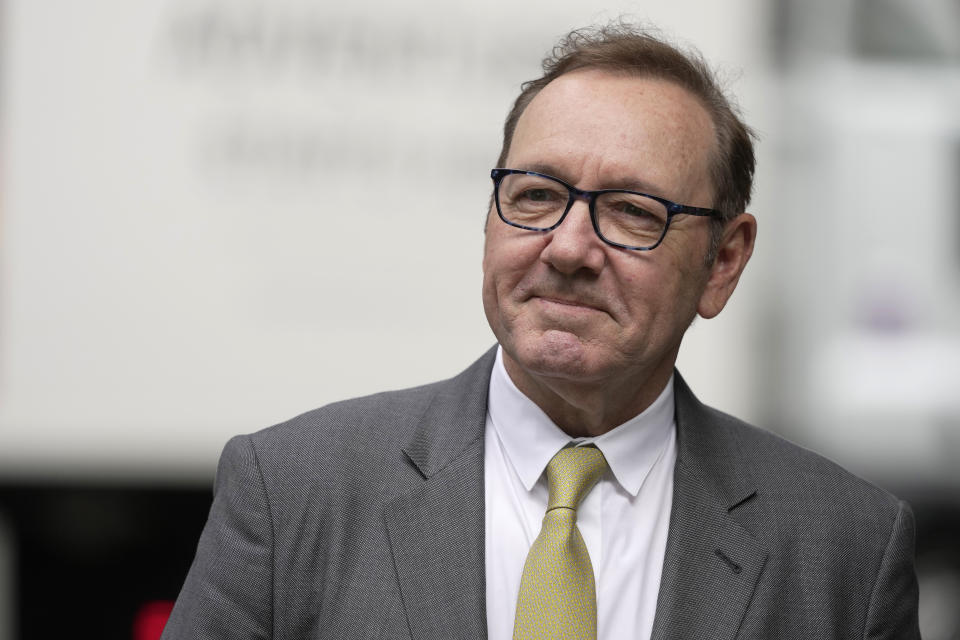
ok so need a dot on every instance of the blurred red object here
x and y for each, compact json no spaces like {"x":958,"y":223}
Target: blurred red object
{"x":150,"y":620}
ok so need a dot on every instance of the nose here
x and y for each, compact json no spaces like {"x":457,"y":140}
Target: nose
{"x":574,"y":245}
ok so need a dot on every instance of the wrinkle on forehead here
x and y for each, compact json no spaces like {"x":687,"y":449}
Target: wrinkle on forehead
{"x":605,"y":130}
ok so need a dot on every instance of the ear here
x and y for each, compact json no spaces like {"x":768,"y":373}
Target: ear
{"x":736,"y":247}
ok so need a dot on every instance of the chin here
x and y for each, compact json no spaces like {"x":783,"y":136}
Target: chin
{"x":556,"y":354}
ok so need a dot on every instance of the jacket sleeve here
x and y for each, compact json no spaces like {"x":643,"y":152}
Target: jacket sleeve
{"x":892,"y":611}
{"x":228,"y":592}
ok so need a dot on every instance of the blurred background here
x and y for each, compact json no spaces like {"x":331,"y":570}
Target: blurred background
{"x":216,"y":215}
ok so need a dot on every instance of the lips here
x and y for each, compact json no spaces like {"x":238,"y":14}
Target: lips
{"x":570,"y":294}
{"x":569,"y":301}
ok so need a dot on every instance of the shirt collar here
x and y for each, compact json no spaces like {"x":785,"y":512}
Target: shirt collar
{"x":530,"y":438}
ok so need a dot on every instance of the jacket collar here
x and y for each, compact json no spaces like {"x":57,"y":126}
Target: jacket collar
{"x":712,"y":562}
{"x":454,"y":419}
{"x":709,"y":445}
{"x":436,"y":528}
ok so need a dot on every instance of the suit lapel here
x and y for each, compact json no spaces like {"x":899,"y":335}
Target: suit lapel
{"x":712,"y":562}
{"x":436,"y":529}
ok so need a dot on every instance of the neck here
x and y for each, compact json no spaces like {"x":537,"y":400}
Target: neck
{"x":586,"y":409}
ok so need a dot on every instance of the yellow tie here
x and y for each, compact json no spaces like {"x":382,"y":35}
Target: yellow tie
{"x":558,"y":598}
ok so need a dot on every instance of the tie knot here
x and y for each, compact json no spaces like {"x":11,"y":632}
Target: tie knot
{"x":572,"y":473}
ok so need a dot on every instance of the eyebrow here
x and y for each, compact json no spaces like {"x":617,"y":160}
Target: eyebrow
{"x":628,"y":184}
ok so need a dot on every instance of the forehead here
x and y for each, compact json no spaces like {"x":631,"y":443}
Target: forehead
{"x":602,"y":130}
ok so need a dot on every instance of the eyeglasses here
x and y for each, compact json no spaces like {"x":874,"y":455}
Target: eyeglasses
{"x":625,"y":219}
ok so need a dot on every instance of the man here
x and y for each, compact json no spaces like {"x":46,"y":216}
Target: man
{"x":617,"y":217}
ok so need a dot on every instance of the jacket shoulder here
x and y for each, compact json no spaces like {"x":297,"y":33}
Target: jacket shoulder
{"x":370,"y":432}
{"x":802,"y":486}
{"x":363,"y":419}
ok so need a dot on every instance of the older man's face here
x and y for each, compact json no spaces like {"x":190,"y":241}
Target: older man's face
{"x":563,"y":304}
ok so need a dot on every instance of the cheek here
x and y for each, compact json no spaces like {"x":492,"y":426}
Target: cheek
{"x":508,"y":255}
{"x":499,"y":272}
{"x":489,"y":288}
{"x":490,"y":277}
{"x":652,"y":293}
{"x":500,"y":281}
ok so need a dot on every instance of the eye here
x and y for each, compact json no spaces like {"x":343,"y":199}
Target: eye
{"x":539,"y":195}
{"x":631,"y":209}
{"x":630,"y":212}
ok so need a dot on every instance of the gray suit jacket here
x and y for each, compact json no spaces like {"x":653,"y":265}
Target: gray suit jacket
{"x":365,"y":519}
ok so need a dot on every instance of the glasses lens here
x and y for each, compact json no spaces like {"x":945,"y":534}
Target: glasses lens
{"x":532,"y":201}
{"x":631,"y":219}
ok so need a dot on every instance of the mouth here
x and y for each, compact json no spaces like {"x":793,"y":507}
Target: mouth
{"x":567,"y":304}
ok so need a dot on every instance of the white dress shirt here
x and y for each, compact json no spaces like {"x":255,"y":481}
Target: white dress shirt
{"x":623,"y":520}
